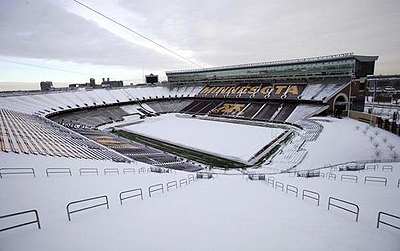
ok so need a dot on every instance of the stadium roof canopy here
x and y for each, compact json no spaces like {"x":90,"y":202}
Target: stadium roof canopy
{"x":319,"y":59}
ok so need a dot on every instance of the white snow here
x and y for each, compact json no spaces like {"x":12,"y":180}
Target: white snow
{"x":234,"y":141}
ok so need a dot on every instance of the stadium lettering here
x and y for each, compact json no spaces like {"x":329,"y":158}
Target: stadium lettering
{"x":279,"y":89}
{"x":293,"y":90}
{"x":243,"y":89}
{"x":265,"y":89}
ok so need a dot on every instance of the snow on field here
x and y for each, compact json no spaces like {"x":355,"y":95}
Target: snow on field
{"x":233,"y":141}
{"x":341,"y":141}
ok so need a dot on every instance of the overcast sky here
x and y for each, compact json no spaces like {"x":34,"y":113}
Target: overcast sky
{"x":60,"y":34}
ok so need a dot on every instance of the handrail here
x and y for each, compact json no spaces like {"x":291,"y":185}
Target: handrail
{"x":386,"y":223}
{"x":293,"y":189}
{"x":88,"y":171}
{"x":18,"y":171}
{"x":279,"y":185}
{"x":172,"y":184}
{"x":343,"y":208}
{"x":86,"y":208}
{"x":183,"y":181}
{"x":387,"y":167}
{"x":270,"y":181}
{"x":191,"y":178}
{"x":53,"y":170}
{"x":131,"y":196}
{"x":128,"y":170}
{"x":22,"y":224}
{"x":331,"y":175}
{"x":157,"y":187}
{"x":349,"y":177}
{"x":374,"y":166}
{"x":375,"y":179}
{"x":309,"y":195}
{"x":111,"y":171}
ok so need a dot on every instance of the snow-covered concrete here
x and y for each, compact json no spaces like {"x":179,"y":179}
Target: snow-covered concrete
{"x":228,"y":140}
{"x":228,"y":213}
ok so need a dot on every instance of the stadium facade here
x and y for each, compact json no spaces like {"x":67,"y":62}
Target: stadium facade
{"x":280,"y":92}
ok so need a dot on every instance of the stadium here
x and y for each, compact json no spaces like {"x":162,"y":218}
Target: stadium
{"x":271,"y":155}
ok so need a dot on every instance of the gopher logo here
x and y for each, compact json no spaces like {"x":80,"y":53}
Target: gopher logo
{"x":229,"y":108}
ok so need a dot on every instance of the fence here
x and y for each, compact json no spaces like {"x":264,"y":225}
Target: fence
{"x":16,"y":171}
{"x":332,"y":200}
{"x":380,"y":221}
{"x":331,"y":176}
{"x":128,"y":170}
{"x":172,"y":184}
{"x":88,"y":171}
{"x":58,"y":171}
{"x":88,"y":207}
{"x":22,"y":224}
{"x":349,"y":177}
{"x":311,"y":195}
{"x":155,"y":188}
{"x":292,"y":189}
{"x":127,"y":192}
{"x":375,"y":179}
{"x":111,"y":171}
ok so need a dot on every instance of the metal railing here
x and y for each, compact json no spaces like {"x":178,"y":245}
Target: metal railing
{"x":349,"y":177}
{"x":371,"y":166}
{"x":311,"y":195}
{"x":331,"y":176}
{"x":190,"y":178}
{"x":292,"y":189}
{"x":16,"y":171}
{"x":58,"y":170}
{"x":387,"y":167}
{"x":22,"y":224}
{"x":270,"y":181}
{"x":332,"y":200}
{"x":183,"y":182}
{"x":88,"y":171}
{"x":127,"y":192}
{"x":128,"y":170}
{"x":380,"y":221}
{"x":172,"y":184}
{"x":88,"y":207}
{"x":155,"y":188}
{"x":279,"y":185}
{"x":111,"y":171}
{"x":375,"y":179}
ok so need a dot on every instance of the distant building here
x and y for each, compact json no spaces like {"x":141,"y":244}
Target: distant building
{"x":151,"y":79}
{"x":384,"y":88}
{"x":111,"y":84}
{"x":92,"y":83}
{"x":46,"y":85}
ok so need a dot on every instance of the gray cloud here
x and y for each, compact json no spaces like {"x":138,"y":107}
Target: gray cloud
{"x":40,"y":29}
{"x":216,"y":32}
{"x":228,"y":32}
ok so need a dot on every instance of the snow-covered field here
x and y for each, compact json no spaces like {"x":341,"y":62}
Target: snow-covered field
{"x":233,"y":141}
